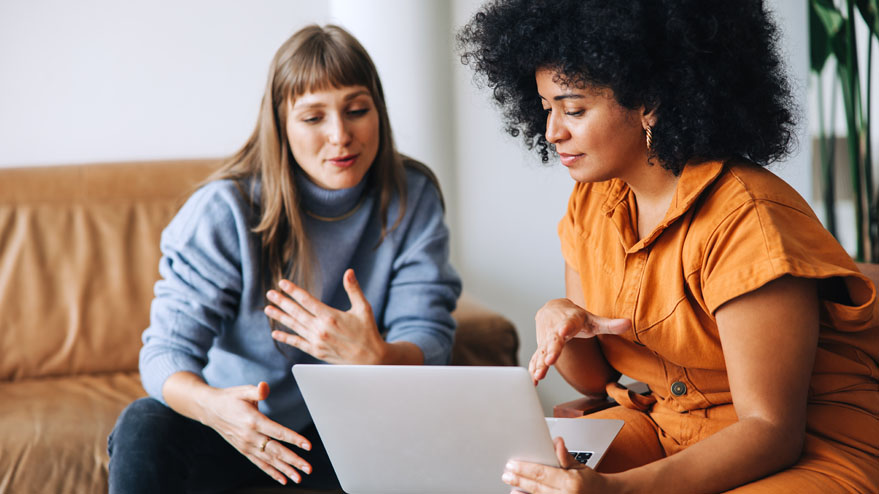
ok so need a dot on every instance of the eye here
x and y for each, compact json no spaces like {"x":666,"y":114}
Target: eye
{"x":575,"y":113}
{"x":311,"y":119}
{"x":358,"y":112}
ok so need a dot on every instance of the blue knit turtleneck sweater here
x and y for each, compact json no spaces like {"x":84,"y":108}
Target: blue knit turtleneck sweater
{"x":207,"y":316}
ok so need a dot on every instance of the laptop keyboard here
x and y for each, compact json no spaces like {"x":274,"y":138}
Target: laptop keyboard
{"x":581,"y":456}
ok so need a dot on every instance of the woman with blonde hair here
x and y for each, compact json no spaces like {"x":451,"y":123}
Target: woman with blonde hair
{"x":316,"y":194}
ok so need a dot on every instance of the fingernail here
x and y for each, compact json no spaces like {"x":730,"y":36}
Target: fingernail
{"x":271,"y":295}
{"x":305,"y":446}
{"x":306,"y":469}
{"x":284,"y":284}
{"x":507,"y":477}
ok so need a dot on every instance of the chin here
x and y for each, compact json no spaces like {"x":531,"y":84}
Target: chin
{"x":345,"y":180}
{"x":587,"y":176}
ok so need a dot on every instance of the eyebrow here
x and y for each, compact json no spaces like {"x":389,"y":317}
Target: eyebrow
{"x":566,"y":96}
{"x":348,"y":97}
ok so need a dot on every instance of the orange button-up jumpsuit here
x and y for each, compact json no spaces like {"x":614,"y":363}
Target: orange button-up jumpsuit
{"x":731,"y":228}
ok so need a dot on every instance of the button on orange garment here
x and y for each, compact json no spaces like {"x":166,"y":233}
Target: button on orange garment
{"x":731,"y":228}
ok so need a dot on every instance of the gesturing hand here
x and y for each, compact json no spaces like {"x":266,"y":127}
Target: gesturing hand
{"x":560,"y":320}
{"x":331,"y":335}
{"x":233,"y":413}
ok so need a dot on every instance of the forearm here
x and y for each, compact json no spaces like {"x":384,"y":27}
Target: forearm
{"x":741,"y":453}
{"x":401,"y":353}
{"x":584,"y":367}
{"x":186,"y":394}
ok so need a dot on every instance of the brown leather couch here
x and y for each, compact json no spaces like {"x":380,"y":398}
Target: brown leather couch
{"x":79,"y":251}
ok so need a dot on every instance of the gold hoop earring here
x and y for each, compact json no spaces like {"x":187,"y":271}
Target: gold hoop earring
{"x":649,"y":132}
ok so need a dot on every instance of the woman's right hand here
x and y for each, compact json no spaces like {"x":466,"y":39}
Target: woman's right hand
{"x":234,"y":414}
{"x":560,"y":320}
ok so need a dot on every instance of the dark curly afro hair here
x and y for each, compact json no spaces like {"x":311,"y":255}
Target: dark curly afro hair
{"x":710,"y":68}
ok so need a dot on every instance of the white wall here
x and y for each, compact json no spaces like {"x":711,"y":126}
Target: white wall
{"x":102,"y":80}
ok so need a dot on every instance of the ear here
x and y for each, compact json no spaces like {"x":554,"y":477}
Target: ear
{"x":648,"y":117}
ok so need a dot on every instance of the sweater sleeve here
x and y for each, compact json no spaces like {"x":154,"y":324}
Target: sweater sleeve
{"x":424,"y":288}
{"x":199,"y":288}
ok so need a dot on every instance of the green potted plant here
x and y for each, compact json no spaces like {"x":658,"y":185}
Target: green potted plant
{"x":832,"y":35}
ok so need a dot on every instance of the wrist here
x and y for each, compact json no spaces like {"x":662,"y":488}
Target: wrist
{"x":384,"y":353}
{"x":401,"y":353}
{"x":200,"y":399}
{"x":187,"y":394}
{"x":632,"y":481}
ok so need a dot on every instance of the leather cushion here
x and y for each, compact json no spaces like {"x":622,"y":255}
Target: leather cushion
{"x":55,"y":431}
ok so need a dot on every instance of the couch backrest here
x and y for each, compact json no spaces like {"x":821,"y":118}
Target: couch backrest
{"x":79,"y":252}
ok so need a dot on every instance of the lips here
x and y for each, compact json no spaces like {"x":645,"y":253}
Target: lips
{"x":344,"y":161}
{"x":569,"y":159}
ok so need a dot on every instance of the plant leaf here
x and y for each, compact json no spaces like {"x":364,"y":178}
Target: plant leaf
{"x":839,"y":45}
{"x":825,"y":24}
{"x":869,"y":10}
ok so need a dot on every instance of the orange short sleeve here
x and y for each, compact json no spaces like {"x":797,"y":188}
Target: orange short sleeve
{"x":763,"y":240}
{"x":569,"y":229}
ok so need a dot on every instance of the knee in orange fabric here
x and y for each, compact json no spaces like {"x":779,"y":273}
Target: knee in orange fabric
{"x":637,"y":443}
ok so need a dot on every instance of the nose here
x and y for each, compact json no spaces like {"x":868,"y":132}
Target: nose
{"x":555,"y":128}
{"x":338,"y":133}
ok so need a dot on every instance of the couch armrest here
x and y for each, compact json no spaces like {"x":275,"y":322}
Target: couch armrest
{"x":582,"y":406}
{"x":590,"y":404}
{"x":483,"y":337}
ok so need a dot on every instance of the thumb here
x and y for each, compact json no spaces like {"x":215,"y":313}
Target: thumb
{"x":256,"y":393}
{"x":561,"y":452}
{"x":604,"y":325}
{"x":352,"y":288}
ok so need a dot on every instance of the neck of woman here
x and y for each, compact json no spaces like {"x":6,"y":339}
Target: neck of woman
{"x":654,"y":190}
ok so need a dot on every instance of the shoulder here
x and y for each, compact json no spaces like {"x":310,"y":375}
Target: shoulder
{"x":424,"y":210}
{"x":750,"y":228}
{"x":216,"y":206}
{"x":221,"y":194}
{"x":419,"y":177}
{"x":745,"y":197}
{"x":744,"y":184}
{"x":422,"y":186}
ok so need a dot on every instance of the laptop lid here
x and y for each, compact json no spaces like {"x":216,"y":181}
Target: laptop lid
{"x":426,"y":429}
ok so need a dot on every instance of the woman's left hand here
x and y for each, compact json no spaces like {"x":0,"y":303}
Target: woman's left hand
{"x":334,"y":336}
{"x":572,"y":478}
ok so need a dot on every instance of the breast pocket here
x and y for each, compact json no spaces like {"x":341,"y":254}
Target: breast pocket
{"x":670,"y":320}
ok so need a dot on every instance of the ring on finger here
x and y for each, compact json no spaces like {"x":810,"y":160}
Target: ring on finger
{"x":262,"y":447}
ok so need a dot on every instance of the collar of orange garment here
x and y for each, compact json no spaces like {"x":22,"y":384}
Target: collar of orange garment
{"x":694,"y":179}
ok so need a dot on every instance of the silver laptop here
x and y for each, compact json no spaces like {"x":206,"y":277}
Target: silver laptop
{"x":437,"y":430}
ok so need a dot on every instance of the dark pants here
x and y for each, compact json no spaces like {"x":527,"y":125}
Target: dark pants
{"x":154,"y":449}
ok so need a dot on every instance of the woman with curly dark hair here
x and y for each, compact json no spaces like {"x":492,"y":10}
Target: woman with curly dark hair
{"x":689,"y":266}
